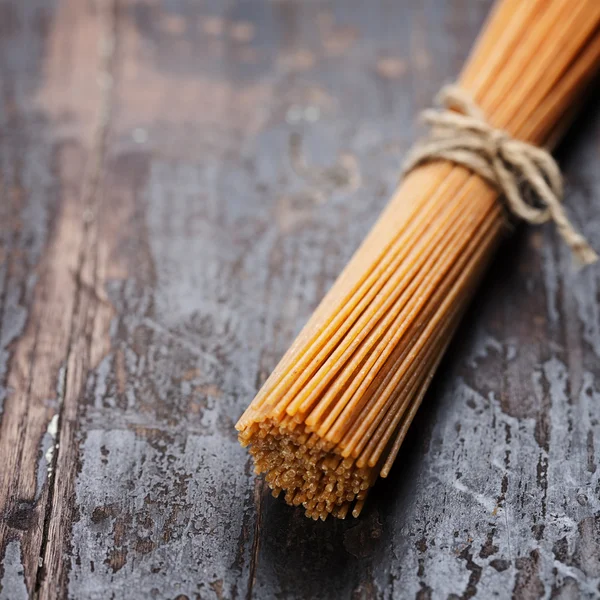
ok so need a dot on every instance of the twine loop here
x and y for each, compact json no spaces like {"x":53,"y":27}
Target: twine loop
{"x":527,"y":176}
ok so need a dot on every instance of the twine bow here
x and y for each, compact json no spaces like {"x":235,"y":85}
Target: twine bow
{"x":512,"y":166}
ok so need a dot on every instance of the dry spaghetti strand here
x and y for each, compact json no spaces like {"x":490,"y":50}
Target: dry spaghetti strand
{"x":332,"y":416}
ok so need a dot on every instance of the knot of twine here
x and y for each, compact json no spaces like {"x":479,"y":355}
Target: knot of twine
{"x":512,"y":166}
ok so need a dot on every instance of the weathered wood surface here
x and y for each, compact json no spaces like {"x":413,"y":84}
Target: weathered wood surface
{"x":180,"y":182}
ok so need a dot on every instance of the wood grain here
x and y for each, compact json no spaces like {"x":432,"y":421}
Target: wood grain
{"x":180,"y":182}
{"x":47,"y":149}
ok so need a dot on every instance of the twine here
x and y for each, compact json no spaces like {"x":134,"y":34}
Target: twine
{"x":510,"y":165}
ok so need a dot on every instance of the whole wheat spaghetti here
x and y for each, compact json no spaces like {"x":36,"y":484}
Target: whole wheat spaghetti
{"x":332,"y":416}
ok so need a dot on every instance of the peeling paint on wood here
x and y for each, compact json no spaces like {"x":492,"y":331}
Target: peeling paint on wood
{"x":12,"y":584}
{"x":180,"y":183}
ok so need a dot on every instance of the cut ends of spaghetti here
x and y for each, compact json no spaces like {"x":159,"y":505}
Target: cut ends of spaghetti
{"x":306,"y":472}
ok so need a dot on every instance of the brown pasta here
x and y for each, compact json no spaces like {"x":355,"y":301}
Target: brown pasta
{"x":336,"y":409}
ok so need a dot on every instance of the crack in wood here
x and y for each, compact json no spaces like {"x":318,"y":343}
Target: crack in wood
{"x":259,"y":486}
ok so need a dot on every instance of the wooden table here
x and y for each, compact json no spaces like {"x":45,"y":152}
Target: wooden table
{"x":180,"y":182}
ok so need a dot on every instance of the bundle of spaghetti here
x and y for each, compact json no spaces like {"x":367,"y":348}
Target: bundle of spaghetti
{"x":332,"y":416}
